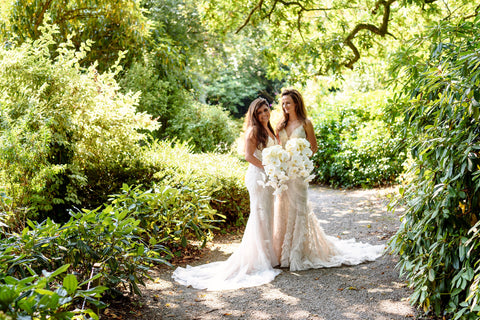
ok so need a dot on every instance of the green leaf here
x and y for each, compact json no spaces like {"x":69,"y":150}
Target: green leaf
{"x":431,"y":275}
{"x":44,"y":292}
{"x":58,"y":271}
{"x":70,"y":283}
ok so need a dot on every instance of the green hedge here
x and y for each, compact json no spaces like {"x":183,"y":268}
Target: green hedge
{"x":221,"y":176}
{"x":358,"y":142}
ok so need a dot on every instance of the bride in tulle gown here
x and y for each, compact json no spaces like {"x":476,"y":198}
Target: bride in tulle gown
{"x":252,"y":263}
{"x":299,"y":240}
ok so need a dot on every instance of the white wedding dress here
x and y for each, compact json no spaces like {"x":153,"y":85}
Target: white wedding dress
{"x":300,"y":241}
{"x":252,"y":263}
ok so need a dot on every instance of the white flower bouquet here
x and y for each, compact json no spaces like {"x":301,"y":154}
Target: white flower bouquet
{"x":275,"y":162}
{"x":282,"y":165}
{"x":300,"y":164}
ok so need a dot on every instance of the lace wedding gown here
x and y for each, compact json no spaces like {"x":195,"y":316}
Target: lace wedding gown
{"x":300,"y":241}
{"x":252,"y":262}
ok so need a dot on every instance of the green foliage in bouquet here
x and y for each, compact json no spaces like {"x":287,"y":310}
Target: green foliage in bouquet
{"x":438,"y":241}
{"x":358,"y":143}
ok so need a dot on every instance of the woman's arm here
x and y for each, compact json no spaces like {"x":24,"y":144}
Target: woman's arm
{"x":250,"y":146}
{"x":311,"y":136}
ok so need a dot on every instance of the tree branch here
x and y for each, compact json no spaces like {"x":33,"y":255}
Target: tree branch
{"x":269,"y":14}
{"x":477,"y":11}
{"x":285,"y":3}
{"x":39,"y":19}
{"x":298,"y":4}
{"x":257,"y":7}
{"x":299,"y":24}
{"x":382,"y":31}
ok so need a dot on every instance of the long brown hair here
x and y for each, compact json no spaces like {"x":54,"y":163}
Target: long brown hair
{"x":258,"y":131}
{"x":300,"y":109}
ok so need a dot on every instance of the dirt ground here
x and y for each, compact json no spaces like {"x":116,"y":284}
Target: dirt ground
{"x":368,"y":291}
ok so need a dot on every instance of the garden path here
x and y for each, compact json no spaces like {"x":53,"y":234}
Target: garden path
{"x":367,"y":291}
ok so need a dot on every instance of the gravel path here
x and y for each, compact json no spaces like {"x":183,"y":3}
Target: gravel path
{"x":367,"y":291}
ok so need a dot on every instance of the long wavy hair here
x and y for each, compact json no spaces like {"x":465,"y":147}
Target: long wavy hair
{"x":259,"y":132}
{"x":300,"y":109}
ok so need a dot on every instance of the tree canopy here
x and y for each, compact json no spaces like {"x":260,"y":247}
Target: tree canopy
{"x":113,"y":26}
{"x":312,"y":37}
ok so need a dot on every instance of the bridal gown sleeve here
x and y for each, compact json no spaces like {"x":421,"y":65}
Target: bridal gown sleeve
{"x":253,"y":261}
{"x":300,"y":241}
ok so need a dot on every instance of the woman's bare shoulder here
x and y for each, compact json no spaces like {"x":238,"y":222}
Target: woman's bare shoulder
{"x":307,"y":124}
{"x":250,"y":134}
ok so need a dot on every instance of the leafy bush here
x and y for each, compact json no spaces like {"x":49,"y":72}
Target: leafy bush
{"x":169,"y":215}
{"x":161,"y":164}
{"x":121,"y":241}
{"x":107,"y":238}
{"x":357,"y":144}
{"x":205,"y":126}
{"x":46,"y":296}
{"x":221,"y":176}
{"x":60,"y":124}
{"x":111,"y":25}
{"x":438,"y":240}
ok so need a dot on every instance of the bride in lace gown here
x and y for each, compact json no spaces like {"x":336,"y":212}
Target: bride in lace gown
{"x":299,"y":240}
{"x":252,"y":263}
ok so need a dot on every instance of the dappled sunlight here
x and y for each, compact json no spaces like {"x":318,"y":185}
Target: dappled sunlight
{"x":395,"y":307}
{"x":322,"y":221}
{"x":364,"y":221}
{"x":351,"y":315}
{"x":164,"y":283}
{"x":276,"y":294}
{"x":341,"y":213}
{"x":379,"y":290}
{"x":213,"y":301}
{"x":258,"y":314}
{"x":299,"y":314}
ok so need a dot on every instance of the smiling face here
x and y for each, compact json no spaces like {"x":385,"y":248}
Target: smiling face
{"x":263,"y":114}
{"x":288,"y":105}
